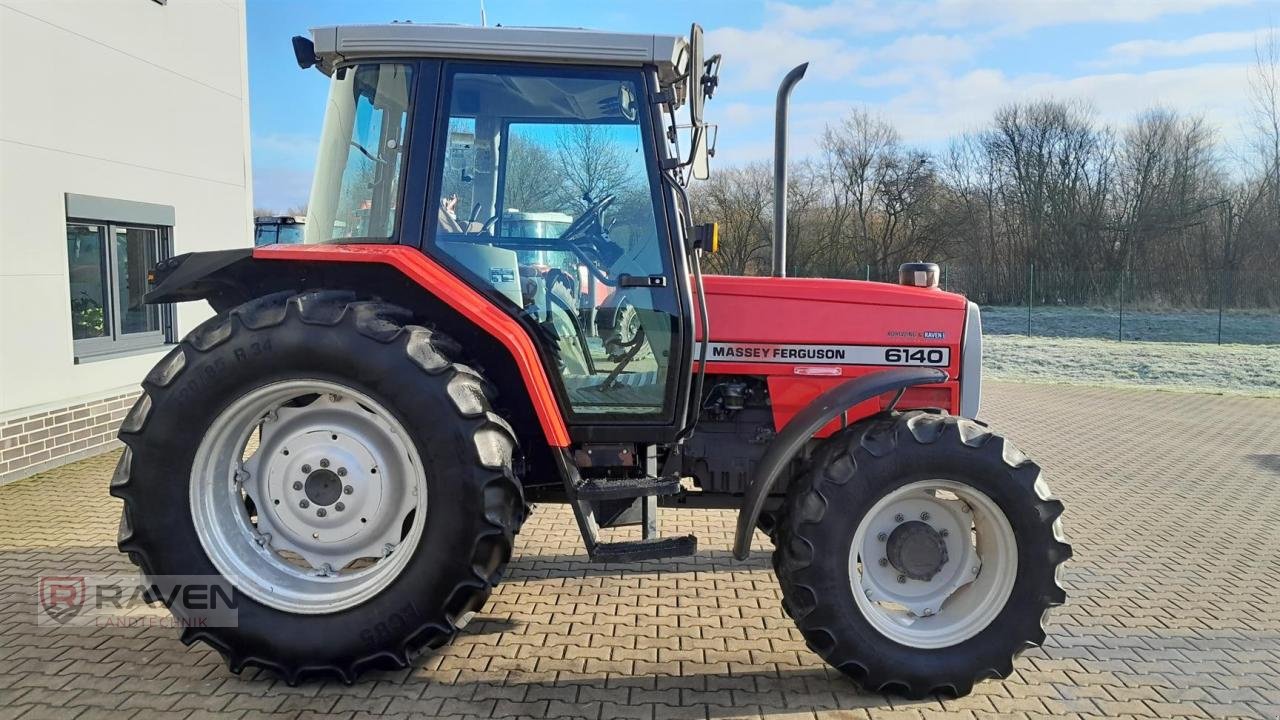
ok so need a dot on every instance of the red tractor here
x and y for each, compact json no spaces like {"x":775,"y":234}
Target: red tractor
{"x":354,"y":440}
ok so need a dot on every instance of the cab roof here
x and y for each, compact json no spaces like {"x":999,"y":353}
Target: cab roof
{"x":337,"y":45}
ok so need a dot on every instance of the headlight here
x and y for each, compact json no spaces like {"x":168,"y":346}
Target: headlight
{"x":971,"y":363}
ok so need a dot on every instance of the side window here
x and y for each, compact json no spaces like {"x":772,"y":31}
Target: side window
{"x":546,"y":198}
{"x":107,"y":267}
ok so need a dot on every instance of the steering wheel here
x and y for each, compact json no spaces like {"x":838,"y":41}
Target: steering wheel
{"x":587,"y":238}
{"x":484,"y":229}
{"x":593,"y":214}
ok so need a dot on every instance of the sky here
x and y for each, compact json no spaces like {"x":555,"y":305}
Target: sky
{"x":933,"y":68}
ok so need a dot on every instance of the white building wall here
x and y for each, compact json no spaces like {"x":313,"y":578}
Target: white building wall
{"x":126,"y":99}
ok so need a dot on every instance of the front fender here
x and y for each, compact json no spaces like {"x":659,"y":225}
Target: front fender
{"x":824,"y":408}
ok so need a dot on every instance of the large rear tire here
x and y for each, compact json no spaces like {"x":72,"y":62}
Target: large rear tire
{"x":919,"y":552}
{"x":336,"y":467}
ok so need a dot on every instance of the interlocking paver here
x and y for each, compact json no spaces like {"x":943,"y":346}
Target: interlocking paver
{"x":1174,"y":601}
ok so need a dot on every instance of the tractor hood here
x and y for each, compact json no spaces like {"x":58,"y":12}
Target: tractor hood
{"x":807,"y":335}
{"x":838,"y":292}
{"x":825,"y":312}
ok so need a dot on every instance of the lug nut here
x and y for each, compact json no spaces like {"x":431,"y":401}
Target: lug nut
{"x":884,"y":562}
{"x":321,"y":513}
{"x":882,"y":537}
{"x":304,"y":504}
{"x":924,"y":516}
{"x":898,"y":518}
{"x":342,"y":472}
{"x":339,"y":507}
{"x":306,"y":469}
{"x":928,"y":612}
{"x":297,"y":485}
{"x":347,"y":490}
{"x":324,"y":462}
{"x":902,"y":578}
{"x":944,"y":532}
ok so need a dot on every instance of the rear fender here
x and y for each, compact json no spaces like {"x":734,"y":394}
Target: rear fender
{"x":231,"y":277}
{"x":789,"y":441}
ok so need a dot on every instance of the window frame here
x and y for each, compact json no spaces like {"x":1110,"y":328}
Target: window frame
{"x":117,"y":342}
{"x":399,"y":217}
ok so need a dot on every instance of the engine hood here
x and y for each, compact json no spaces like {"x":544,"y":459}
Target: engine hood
{"x":773,"y":324}
{"x":828,"y":292}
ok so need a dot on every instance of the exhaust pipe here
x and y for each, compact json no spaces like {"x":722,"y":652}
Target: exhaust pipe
{"x":780,"y":169}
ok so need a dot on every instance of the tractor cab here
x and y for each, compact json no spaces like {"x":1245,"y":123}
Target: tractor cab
{"x":278,"y":229}
{"x":551,"y":184}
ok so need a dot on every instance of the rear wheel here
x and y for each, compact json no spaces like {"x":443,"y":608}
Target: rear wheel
{"x":919,"y":552}
{"x":336,"y":467}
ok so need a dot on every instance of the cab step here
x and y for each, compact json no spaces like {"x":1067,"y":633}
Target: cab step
{"x":648,"y":549}
{"x":623,"y":488}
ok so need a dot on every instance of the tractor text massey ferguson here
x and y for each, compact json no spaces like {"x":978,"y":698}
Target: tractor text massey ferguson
{"x":499,"y":302}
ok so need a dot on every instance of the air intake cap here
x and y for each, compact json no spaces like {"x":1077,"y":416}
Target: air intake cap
{"x":918,"y":274}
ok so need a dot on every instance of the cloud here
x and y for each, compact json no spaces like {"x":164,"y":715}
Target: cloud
{"x":757,"y":59}
{"x":1218,"y":91}
{"x":877,"y":16}
{"x":1135,"y":51}
{"x":912,"y":56}
{"x":932,"y":111}
{"x":927,"y":50}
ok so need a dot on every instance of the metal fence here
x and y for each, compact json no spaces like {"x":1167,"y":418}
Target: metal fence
{"x":1236,"y":306}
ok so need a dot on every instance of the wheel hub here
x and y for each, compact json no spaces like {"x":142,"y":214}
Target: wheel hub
{"x":323,"y":487}
{"x":916,"y":550}
{"x":319,"y":467}
{"x":312,"y":519}
{"x":932,"y":562}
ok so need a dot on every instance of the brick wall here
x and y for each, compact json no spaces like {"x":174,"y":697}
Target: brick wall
{"x":39,"y":441}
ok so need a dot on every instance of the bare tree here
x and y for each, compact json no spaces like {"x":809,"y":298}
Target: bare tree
{"x":533,"y":178}
{"x":592,"y":164}
{"x":741,"y":200}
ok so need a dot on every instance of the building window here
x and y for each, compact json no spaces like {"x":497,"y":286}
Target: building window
{"x":108,"y":265}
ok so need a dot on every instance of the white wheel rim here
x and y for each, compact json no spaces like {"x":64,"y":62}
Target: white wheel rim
{"x":966,"y":592}
{"x":313,"y":546}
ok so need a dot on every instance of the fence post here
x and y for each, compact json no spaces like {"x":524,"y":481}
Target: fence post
{"x":1120,"y":337}
{"x":944,"y":277}
{"x":868,"y":272}
{"x":1222,"y":295}
{"x":1031,"y":283}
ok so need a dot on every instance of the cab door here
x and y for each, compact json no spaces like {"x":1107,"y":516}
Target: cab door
{"x":545,"y":194}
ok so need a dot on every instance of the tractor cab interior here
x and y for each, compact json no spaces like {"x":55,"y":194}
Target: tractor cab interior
{"x":547,"y":190}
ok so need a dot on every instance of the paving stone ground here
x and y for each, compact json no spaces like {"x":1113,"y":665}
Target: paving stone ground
{"x":1172,"y":500}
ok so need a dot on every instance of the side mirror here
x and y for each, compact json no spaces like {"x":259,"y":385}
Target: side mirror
{"x":701,"y":79}
{"x":694,"y":80}
{"x":700,"y":157}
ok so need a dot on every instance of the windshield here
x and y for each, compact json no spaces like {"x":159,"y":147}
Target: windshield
{"x":289,"y":233}
{"x":357,"y":177}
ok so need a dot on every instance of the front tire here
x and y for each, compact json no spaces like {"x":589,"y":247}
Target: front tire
{"x":918,"y":554}
{"x":376,"y":513}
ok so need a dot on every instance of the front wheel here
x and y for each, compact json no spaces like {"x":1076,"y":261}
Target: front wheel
{"x":919,"y":553}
